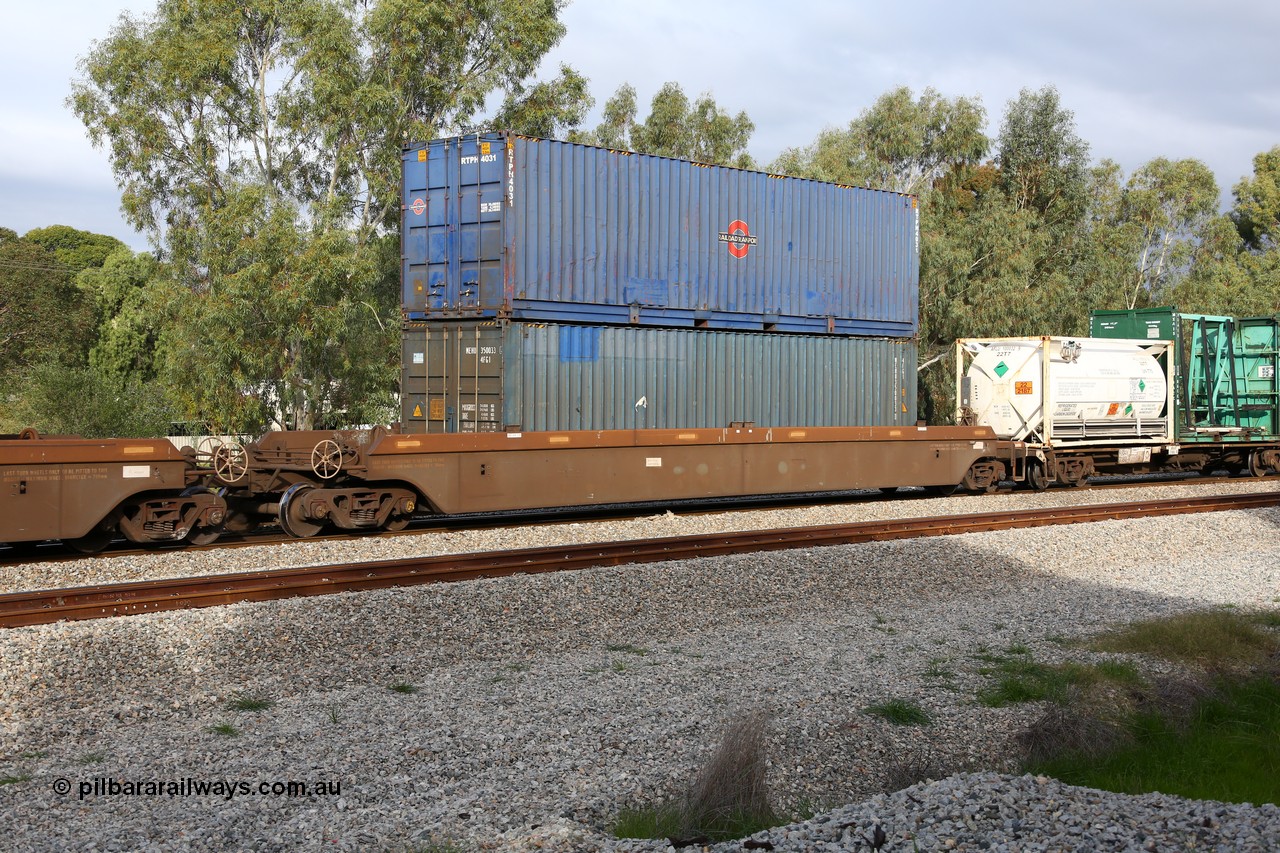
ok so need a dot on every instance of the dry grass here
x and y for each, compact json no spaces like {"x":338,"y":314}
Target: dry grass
{"x":731,"y":789}
{"x":909,"y":769}
{"x":1068,"y":729}
{"x":728,"y":799}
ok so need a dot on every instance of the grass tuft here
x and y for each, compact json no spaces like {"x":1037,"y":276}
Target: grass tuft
{"x":628,"y":648}
{"x":14,"y":780}
{"x":404,"y":688}
{"x":225,"y":729}
{"x":1022,"y":679}
{"x":1215,"y":735}
{"x":1218,"y":639}
{"x":900,"y":712}
{"x":249,"y":703}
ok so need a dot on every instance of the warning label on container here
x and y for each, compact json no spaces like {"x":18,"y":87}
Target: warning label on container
{"x":1022,"y":388}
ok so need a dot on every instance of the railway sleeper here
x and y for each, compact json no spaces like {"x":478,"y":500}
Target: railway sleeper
{"x":304,"y":510}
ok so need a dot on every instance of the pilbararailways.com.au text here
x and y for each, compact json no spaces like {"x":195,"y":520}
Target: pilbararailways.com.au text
{"x":228,"y":789}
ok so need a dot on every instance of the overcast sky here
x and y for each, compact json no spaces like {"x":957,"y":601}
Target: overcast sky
{"x":1178,"y":78}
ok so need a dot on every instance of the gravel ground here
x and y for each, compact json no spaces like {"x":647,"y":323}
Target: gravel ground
{"x":532,"y":709}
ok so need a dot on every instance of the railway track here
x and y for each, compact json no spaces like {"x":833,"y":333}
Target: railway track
{"x":122,"y":599}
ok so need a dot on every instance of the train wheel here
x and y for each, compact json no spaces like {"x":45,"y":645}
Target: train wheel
{"x":204,"y":536}
{"x":1037,"y":477}
{"x":1256,"y":467}
{"x":90,"y":543}
{"x":396,"y":522}
{"x":292,"y":508}
{"x":980,"y":478}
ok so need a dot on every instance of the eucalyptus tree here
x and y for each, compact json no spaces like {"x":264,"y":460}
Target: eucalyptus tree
{"x":1167,"y":203}
{"x":1257,"y":208}
{"x":258,"y":144}
{"x":900,"y":143}
{"x":1235,"y":264}
{"x":700,"y":130}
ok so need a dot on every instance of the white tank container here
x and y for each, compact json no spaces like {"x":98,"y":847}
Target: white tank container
{"x":1030,"y":389}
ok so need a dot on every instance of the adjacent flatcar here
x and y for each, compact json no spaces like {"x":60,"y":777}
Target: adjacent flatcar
{"x":87,"y":491}
{"x":1201,"y":399}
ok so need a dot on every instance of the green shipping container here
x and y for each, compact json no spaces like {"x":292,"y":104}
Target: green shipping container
{"x":1225,"y":369}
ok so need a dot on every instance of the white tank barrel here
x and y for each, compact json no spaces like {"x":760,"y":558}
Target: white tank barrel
{"x":1095,"y":388}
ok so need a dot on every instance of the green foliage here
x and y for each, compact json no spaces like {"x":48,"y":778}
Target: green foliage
{"x":127,"y":333}
{"x":549,"y":110}
{"x":662,"y":821}
{"x":1165,"y":204}
{"x":702,"y":131}
{"x":1257,"y":210}
{"x":1018,"y":678}
{"x":74,"y":249}
{"x":294,"y":324}
{"x":44,"y":318}
{"x":404,"y":688}
{"x":900,"y":712}
{"x":1043,"y":161}
{"x":65,"y":400}
{"x":899,"y":143}
{"x":1230,"y":750}
{"x":224,"y":729}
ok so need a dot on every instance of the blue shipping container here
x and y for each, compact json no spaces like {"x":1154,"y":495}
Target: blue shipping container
{"x":481,"y":376}
{"x":499,"y":225}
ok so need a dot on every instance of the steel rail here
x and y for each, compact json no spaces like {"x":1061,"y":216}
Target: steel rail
{"x":46,"y":606}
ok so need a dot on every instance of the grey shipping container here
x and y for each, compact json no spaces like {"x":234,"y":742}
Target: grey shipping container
{"x":499,"y":225}
{"x":495,"y":375}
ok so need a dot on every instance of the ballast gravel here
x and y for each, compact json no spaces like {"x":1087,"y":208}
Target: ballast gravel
{"x":524,"y":713}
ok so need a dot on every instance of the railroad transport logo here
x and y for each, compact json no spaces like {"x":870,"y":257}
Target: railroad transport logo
{"x":738,"y":238}
{"x":418,"y":206}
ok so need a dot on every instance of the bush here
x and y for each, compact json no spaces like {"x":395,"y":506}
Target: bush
{"x":64,"y":400}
